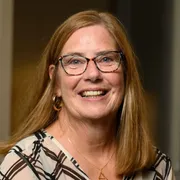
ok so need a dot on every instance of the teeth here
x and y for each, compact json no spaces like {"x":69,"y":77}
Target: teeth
{"x":92,"y":93}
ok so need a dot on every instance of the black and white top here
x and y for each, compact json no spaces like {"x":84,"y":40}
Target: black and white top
{"x":41,"y":156}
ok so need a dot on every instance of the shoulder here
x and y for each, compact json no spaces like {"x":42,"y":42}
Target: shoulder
{"x":29,"y":149}
{"x":162,"y":160}
{"x":30,"y":143}
{"x":160,"y":170}
{"x":39,"y":157}
{"x":162,"y":166}
{"x":33,"y":145}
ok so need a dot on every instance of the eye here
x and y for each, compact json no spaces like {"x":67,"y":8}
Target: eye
{"x":106,"y":59}
{"x":73,"y":61}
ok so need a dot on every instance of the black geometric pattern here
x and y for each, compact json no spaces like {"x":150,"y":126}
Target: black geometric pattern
{"x":41,"y":156}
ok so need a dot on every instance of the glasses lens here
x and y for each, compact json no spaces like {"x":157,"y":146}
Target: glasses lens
{"x":108,"y":62}
{"x":74,"y":64}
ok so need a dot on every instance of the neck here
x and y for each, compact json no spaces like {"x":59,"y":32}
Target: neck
{"x":97,"y":135}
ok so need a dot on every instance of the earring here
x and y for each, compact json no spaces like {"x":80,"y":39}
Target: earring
{"x":57,"y":103}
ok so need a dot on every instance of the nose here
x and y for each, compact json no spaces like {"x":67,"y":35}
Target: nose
{"x":92,"y":73}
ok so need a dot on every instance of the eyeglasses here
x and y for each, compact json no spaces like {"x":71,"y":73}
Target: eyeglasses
{"x":106,"y":62}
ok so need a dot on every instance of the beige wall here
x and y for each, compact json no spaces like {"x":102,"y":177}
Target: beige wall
{"x":175,"y":111}
{"x":6,"y":28}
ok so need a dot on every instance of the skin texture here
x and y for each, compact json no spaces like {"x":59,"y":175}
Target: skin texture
{"x":90,"y":122}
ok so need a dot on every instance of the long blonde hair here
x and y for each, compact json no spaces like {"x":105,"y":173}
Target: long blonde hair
{"x":135,"y":150}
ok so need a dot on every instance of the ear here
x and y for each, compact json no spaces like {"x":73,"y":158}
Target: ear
{"x":51,"y":70}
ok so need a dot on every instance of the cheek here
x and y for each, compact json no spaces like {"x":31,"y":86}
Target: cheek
{"x":65,"y":84}
{"x":118,"y":82}
{"x":58,"y":83}
{"x":119,"y":89}
{"x":57,"y":88}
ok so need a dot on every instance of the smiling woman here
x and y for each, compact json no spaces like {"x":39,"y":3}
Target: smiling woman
{"x":89,"y":118}
{"x":87,"y":93}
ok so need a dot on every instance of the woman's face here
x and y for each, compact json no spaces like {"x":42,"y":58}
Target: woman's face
{"x":80,"y":93}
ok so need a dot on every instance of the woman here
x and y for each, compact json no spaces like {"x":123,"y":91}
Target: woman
{"x":89,"y":118}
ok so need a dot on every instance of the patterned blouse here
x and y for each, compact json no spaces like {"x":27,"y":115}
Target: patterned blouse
{"x":41,"y":156}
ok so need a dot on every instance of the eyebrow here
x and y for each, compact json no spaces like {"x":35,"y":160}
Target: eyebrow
{"x":82,"y":54}
{"x":74,"y":53}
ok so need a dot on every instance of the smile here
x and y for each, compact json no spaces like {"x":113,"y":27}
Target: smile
{"x":92,"y":93}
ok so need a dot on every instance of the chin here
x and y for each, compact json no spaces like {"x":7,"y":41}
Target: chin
{"x":95,"y":116}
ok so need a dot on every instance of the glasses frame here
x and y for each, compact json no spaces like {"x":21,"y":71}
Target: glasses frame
{"x":122,"y":58}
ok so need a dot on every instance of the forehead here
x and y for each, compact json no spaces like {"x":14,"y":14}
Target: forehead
{"x":89,"y":39}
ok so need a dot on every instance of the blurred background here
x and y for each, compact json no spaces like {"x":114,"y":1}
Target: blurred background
{"x":153,"y":28}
